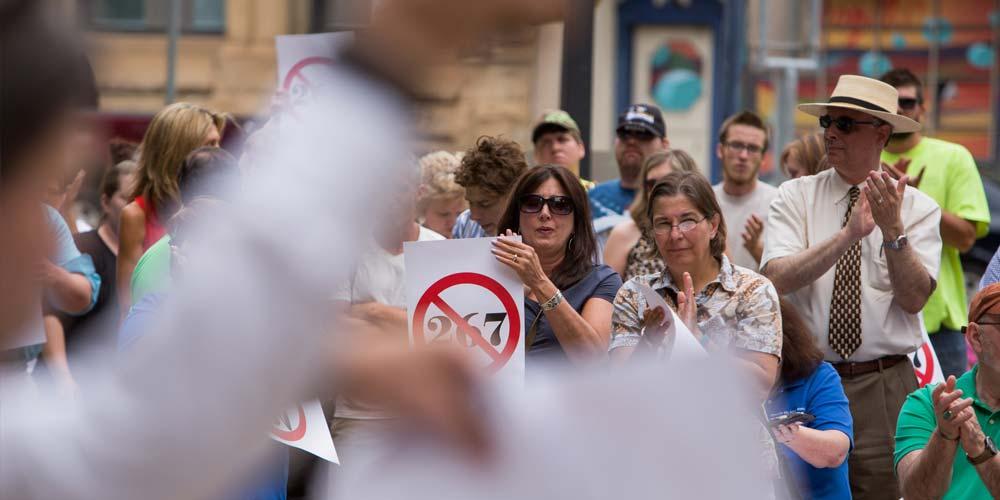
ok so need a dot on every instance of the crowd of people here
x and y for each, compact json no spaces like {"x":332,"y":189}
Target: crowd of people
{"x":817,"y":289}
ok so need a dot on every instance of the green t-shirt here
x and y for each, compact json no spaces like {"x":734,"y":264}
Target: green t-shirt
{"x":152,"y":272}
{"x":916,"y":423}
{"x":952,"y":180}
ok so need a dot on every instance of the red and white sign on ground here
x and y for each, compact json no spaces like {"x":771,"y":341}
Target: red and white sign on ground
{"x":305,"y":428}
{"x":456,"y":292}
{"x":302,"y":62}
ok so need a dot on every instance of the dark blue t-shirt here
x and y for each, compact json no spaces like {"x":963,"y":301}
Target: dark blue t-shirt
{"x":610,"y":198}
{"x":821,"y":396}
{"x":602,"y":282}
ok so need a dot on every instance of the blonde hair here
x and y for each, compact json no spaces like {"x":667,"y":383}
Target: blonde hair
{"x":173,"y":133}
{"x":810,"y":149}
{"x":437,"y":178}
{"x":678,"y":160}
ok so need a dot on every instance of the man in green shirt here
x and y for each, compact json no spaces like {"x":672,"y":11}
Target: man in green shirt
{"x":946,"y":172}
{"x":945,"y":441}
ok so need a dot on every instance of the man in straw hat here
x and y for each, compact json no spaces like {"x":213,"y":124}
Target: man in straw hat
{"x":858,"y":253}
{"x":944,"y":437}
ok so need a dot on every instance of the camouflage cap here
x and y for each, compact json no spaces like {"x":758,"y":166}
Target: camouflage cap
{"x":555,"y":120}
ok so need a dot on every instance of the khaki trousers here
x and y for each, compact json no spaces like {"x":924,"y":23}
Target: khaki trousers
{"x":875,"y":400}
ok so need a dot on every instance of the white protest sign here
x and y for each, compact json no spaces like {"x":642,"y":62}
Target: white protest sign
{"x":681,"y":343}
{"x":305,"y":428}
{"x":456,"y":291}
{"x":925,"y":362}
{"x":304,"y":60}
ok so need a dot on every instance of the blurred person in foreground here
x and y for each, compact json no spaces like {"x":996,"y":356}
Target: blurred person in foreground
{"x":557,"y":141}
{"x":630,"y":250}
{"x":857,"y":253}
{"x":945,"y":436}
{"x":173,"y":133}
{"x":947,"y":173}
{"x":815,"y":451}
{"x":804,"y":156}
{"x":568,"y":299}
{"x":254,"y":285}
{"x":440,"y":200}
{"x":488,"y":173}
{"x":744,"y":198}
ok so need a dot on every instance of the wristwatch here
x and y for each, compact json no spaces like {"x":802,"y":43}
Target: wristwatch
{"x":896,"y":244}
{"x":988,"y":453}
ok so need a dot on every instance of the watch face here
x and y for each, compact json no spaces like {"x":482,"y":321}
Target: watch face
{"x":990,"y":445}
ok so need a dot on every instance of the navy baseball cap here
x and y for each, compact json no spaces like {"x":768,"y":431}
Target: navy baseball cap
{"x":642,"y":118}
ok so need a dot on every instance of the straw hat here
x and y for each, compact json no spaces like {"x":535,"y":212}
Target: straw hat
{"x":869,"y":96}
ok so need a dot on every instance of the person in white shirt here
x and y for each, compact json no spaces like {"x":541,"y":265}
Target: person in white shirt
{"x":375,"y":294}
{"x":744,"y":198}
{"x":858,"y":254}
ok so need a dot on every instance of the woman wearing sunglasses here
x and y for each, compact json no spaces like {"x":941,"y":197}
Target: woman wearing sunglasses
{"x":630,"y":249}
{"x":568,"y":298}
{"x":727,"y":307}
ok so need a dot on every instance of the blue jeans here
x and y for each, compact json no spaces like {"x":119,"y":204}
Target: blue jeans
{"x":949,"y":345}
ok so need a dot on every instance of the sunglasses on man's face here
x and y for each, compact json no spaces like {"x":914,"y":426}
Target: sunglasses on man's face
{"x":625,"y":135}
{"x":844,"y":124}
{"x":908,"y":103}
{"x":558,"y":205}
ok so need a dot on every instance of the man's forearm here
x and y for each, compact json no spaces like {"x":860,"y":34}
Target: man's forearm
{"x":911,"y":284}
{"x":989,"y":473}
{"x":793,"y":272}
{"x":929,"y":474}
{"x":957,"y":232}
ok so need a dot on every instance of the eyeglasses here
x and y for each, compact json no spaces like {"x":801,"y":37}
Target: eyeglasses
{"x":625,"y":135}
{"x":908,"y":103}
{"x":844,"y":123}
{"x":665,"y":227}
{"x":738,"y":147}
{"x":558,"y":205}
{"x":964,"y":328}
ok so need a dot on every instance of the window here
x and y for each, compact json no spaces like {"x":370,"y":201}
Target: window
{"x":197,"y":16}
{"x":341,"y":15}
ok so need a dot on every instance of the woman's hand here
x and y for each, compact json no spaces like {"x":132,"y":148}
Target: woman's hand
{"x":522,"y":258}
{"x":655,"y":324}
{"x":687,"y":309}
{"x":785,"y":434}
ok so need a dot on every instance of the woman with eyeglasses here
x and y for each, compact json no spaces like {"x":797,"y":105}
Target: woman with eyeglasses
{"x":726,"y":307}
{"x":630,"y":249}
{"x":568,"y":298}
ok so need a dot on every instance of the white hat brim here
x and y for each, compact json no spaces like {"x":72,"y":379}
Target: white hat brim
{"x":900,"y":124}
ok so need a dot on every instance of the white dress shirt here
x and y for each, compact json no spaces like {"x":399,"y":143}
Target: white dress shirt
{"x":810,"y":210}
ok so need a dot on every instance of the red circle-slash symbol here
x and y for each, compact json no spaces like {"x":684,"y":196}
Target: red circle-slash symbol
{"x":296,"y":84}
{"x":433,"y":296}
{"x":925,"y":376}
{"x":292,"y":434}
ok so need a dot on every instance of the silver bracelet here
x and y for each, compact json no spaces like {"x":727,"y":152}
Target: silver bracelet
{"x":554,"y":302}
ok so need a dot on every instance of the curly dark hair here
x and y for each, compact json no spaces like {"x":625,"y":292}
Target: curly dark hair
{"x":581,"y":250}
{"x":493,"y":164}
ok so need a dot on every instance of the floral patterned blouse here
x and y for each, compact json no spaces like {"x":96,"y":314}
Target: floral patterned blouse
{"x":739,"y":309}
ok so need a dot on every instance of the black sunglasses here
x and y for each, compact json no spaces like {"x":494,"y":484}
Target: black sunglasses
{"x":558,"y":205}
{"x":844,"y":123}
{"x":625,"y":135}
{"x":908,"y":103}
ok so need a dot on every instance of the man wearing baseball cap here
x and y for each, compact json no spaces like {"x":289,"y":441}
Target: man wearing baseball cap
{"x":640,"y":133}
{"x":558,"y":141}
{"x":858,"y":253}
{"x":945,"y":435}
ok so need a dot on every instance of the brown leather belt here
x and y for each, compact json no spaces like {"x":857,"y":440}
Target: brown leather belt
{"x":848,"y":369}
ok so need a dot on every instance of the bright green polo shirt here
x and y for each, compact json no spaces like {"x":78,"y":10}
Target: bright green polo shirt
{"x":952,"y":180}
{"x":152,"y":272}
{"x":916,"y":423}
